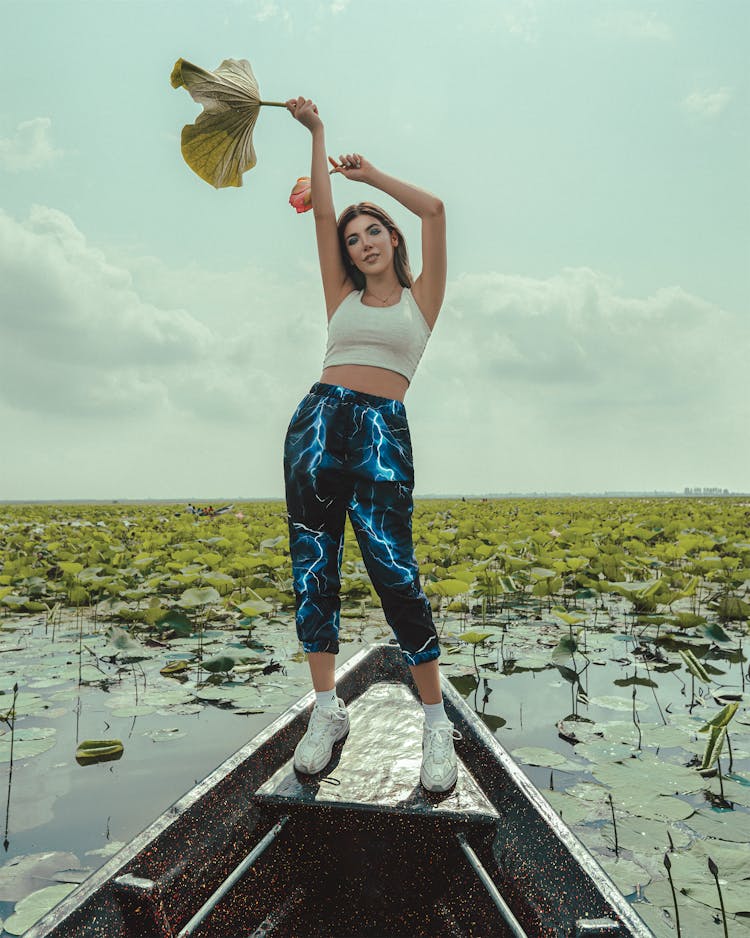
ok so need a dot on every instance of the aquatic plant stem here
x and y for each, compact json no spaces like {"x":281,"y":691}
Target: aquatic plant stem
{"x":721,"y":780}
{"x":10,"y":718}
{"x":79,"y":617}
{"x":614,"y":825}
{"x":729,"y":747}
{"x":668,"y":865}
{"x":653,"y":691}
{"x":636,"y":720}
{"x":715,"y":873}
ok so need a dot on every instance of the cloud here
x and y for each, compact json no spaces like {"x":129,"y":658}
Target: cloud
{"x":707,"y":104}
{"x":569,"y":384}
{"x":191,"y":376}
{"x":577,"y":336}
{"x":75,"y":335}
{"x":521,"y":19}
{"x":81,"y":337}
{"x":634,"y":24}
{"x":29,"y":147}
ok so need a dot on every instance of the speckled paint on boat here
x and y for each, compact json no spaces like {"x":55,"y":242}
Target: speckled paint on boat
{"x":366,"y":850}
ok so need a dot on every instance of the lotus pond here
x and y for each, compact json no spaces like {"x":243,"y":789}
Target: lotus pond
{"x":601,"y":640}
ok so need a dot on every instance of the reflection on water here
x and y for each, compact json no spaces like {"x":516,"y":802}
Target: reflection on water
{"x":529,"y":695}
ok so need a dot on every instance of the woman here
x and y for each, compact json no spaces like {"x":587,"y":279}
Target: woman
{"x":348,"y":449}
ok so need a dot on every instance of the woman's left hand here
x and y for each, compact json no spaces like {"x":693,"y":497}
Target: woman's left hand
{"x":353,"y":166}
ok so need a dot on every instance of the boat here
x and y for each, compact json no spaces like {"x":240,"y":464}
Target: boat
{"x":257,"y":850}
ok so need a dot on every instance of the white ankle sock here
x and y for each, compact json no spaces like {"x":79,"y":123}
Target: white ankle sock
{"x":326,"y":698}
{"x":434,"y":713}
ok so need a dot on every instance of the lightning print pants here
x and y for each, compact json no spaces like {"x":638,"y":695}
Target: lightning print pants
{"x":349,"y":452}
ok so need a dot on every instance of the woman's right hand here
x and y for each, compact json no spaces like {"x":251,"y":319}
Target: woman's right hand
{"x":305,"y":112}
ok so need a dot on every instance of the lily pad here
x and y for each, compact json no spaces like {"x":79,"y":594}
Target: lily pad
{"x":610,"y":702}
{"x":161,"y":735}
{"x":33,"y":907}
{"x":648,"y":774}
{"x":733,"y":826}
{"x":627,"y":875}
{"x":571,"y":810}
{"x":20,"y":875}
{"x":535,"y":755}
{"x":29,"y":741}
{"x":108,"y":850}
{"x":133,"y":710}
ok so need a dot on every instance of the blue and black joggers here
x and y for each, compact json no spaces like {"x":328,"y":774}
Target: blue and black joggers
{"x":346,"y":451}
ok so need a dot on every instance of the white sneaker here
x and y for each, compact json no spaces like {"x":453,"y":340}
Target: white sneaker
{"x":439,"y":764}
{"x":327,"y":725}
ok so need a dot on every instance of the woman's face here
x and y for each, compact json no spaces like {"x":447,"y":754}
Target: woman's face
{"x":370,"y":244}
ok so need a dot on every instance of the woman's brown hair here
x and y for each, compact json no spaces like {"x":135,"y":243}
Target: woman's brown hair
{"x":400,"y":255}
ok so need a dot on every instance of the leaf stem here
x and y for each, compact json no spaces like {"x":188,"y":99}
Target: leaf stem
{"x":715,"y":873}
{"x":668,"y":865}
{"x":614,"y":824}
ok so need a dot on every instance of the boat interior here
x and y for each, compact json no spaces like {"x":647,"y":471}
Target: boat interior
{"x":257,"y":850}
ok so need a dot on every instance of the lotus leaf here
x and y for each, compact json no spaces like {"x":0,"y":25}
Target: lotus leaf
{"x":27,"y":742}
{"x":174,"y":667}
{"x":20,"y":875}
{"x":535,"y":755}
{"x":610,"y":702}
{"x":571,"y":810}
{"x":34,"y":906}
{"x":98,"y":750}
{"x":196,"y":598}
{"x":626,"y":874}
{"x":474,"y":638}
{"x":649,"y":774}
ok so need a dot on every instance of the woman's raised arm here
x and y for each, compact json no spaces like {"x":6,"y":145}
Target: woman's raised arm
{"x":429,"y":287}
{"x":336,"y":281}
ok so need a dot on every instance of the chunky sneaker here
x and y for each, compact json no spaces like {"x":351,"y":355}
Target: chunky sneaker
{"x":327,"y":725}
{"x":439,"y":765}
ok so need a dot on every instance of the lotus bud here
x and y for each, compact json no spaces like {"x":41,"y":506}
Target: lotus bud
{"x":301,"y":197}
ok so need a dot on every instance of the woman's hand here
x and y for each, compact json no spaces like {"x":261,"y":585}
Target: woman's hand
{"x":305,"y":112}
{"x":353,"y":166}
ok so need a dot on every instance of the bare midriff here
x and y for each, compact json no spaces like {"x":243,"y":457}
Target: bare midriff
{"x":369,"y":379}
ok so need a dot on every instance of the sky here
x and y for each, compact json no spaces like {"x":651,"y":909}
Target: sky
{"x":156,"y":334}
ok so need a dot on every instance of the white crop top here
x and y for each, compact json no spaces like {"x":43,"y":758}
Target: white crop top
{"x":392,"y":337}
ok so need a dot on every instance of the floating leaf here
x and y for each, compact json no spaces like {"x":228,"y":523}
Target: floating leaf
{"x":29,"y":741}
{"x":33,"y":907}
{"x":20,"y":875}
{"x":98,"y":750}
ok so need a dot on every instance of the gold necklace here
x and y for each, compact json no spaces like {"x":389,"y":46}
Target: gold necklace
{"x":368,"y":290}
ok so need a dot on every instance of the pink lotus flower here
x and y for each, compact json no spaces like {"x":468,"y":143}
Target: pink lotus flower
{"x":301,"y":197}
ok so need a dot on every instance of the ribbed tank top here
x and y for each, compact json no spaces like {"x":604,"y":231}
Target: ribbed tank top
{"x":392,"y":337}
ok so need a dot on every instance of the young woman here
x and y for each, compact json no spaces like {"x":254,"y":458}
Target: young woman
{"x":348,"y":448}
